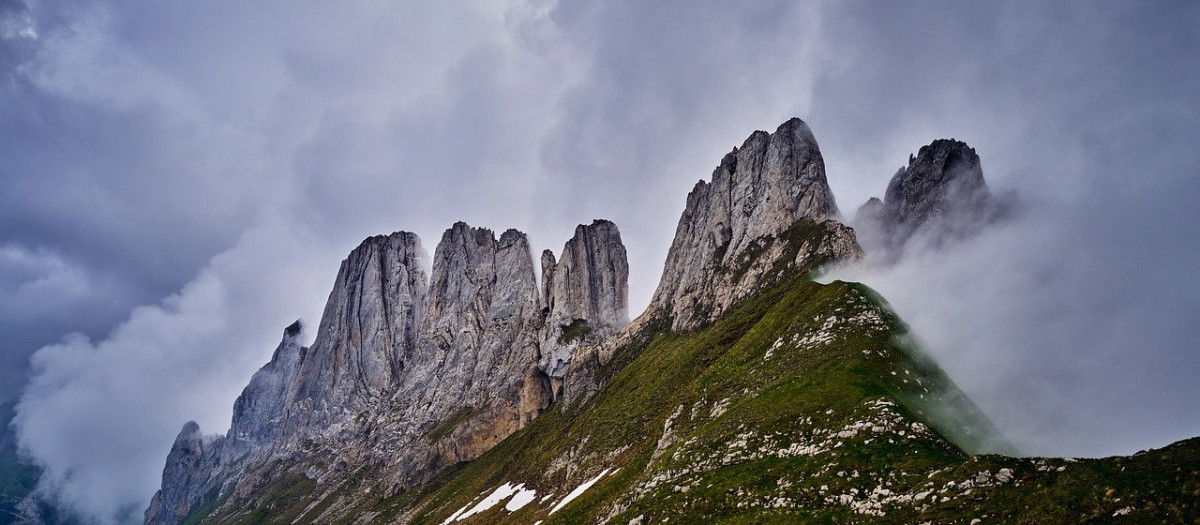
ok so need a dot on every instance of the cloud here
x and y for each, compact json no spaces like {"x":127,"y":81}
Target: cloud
{"x":667,"y":89}
{"x":1068,"y":325}
{"x":99,"y":416}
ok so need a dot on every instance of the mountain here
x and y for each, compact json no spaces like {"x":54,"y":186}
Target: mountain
{"x":746,"y":392}
{"x":939,"y":197}
{"x":17,"y":478}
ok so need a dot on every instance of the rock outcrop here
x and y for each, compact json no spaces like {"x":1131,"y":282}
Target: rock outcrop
{"x":409,"y":372}
{"x":193,"y":459}
{"x":258,"y":413}
{"x":939,"y":196}
{"x":726,"y":240}
{"x":366,"y":336}
{"x":586,"y":293}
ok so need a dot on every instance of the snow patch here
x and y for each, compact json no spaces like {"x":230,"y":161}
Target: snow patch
{"x":522,"y":498}
{"x":579,"y":490}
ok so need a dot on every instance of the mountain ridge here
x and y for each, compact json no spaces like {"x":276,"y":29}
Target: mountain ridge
{"x":746,"y":392}
{"x":410,"y":370}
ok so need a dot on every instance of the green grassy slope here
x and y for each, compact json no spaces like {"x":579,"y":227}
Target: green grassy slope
{"x":804,"y":405}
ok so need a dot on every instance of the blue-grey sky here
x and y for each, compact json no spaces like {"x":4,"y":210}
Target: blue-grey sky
{"x":179,"y":180}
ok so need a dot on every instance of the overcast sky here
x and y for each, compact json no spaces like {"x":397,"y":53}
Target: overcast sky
{"x":179,"y":181}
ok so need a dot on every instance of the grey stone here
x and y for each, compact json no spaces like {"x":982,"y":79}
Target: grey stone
{"x":409,"y":373}
{"x":587,"y":287}
{"x":191,"y":462}
{"x":939,"y":197}
{"x":757,"y":193}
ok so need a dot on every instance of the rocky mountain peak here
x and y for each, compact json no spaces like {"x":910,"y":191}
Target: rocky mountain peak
{"x":192,"y":459}
{"x":756,"y":193}
{"x":367,"y":332}
{"x":586,"y":291}
{"x":293,"y":329}
{"x":259,"y":412}
{"x":590,"y":282}
{"x":942,"y":174}
{"x":940,"y":194}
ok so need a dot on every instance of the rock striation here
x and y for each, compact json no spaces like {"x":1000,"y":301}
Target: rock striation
{"x":192,"y":460}
{"x":587,"y":293}
{"x":730,"y":234}
{"x":940,"y":196}
{"x":409,"y":372}
{"x":259,"y":412}
{"x":766,"y":213}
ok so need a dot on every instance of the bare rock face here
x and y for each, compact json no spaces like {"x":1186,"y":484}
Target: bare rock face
{"x":587,"y":293}
{"x":940,"y":196}
{"x":259,"y":411}
{"x":192,"y":461}
{"x":756,"y":194}
{"x":366,"y":337}
{"x":478,"y":343}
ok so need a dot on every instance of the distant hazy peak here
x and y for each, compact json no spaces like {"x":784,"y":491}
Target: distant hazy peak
{"x":940,"y":195}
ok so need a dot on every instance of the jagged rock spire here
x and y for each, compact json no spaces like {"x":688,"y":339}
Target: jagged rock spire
{"x":757,"y":192}
{"x":410,"y":372}
{"x":591,"y":281}
{"x":586,"y":292}
{"x":940,"y":195}
{"x":367,"y":332}
{"x":258,"y":413}
{"x":185,"y":478}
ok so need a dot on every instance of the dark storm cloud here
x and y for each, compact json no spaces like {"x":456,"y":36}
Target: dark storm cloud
{"x":108,"y":177}
{"x":214,"y":161}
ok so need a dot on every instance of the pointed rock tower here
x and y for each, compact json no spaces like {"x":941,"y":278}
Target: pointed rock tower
{"x":739,"y":220}
{"x":939,"y":196}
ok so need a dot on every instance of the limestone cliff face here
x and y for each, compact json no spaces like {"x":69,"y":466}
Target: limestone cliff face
{"x":766,"y":212}
{"x":366,"y":337}
{"x":477,"y":347}
{"x":756,"y":194}
{"x":409,"y":372}
{"x":258,"y":414}
{"x":939,"y":196}
{"x":192,"y":461}
{"x":586,"y":293}
{"x":591,"y":280}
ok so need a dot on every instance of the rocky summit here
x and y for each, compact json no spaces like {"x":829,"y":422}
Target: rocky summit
{"x":745,"y":393}
{"x":940,"y":196}
{"x":729,"y":236}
